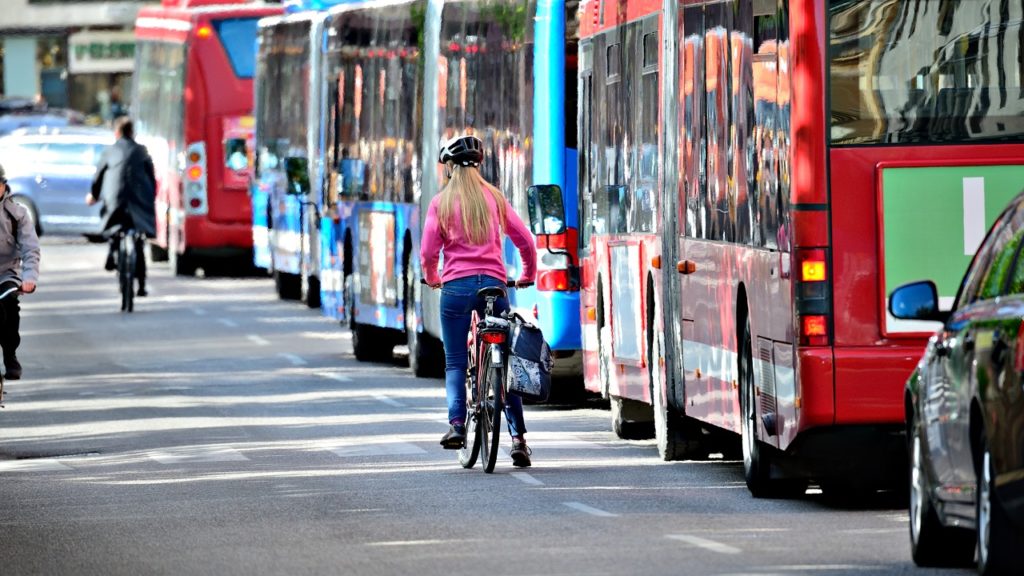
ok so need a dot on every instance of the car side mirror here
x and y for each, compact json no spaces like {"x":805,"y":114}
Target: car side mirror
{"x":547,"y":212}
{"x":297,"y":170}
{"x":916,"y":301}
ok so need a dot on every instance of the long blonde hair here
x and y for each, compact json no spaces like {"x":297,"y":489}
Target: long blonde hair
{"x":465,"y":188}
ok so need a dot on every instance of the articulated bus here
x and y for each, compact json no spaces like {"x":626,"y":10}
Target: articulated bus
{"x":286,"y":182}
{"x":756,"y":176}
{"x":405,"y":75}
{"x":192,"y":107}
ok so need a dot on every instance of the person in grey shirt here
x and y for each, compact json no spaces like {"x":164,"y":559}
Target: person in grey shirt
{"x":19,"y":270}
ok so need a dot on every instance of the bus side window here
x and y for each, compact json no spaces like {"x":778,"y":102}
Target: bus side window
{"x":236,"y":156}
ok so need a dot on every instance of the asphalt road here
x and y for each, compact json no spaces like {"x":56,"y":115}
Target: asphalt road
{"x":218,"y":430}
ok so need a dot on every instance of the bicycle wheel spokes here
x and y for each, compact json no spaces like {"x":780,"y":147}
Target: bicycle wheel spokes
{"x":495,"y":406}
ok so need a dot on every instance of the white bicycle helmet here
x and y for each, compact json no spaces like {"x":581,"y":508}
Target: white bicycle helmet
{"x":462,"y":150}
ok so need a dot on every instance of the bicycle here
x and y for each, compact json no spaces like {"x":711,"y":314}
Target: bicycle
{"x":127,"y":266}
{"x":3,"y":319}
{"x":486,"y":381}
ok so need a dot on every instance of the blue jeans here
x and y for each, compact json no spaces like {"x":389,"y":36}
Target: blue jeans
{"x":458,"y":300}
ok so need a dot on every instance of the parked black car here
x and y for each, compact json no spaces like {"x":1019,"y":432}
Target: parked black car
{"x":965,"y":410}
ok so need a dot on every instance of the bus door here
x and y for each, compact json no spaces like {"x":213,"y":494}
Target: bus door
{"x":688,"y":207}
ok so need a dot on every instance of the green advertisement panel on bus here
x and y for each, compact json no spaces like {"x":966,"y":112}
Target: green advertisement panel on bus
{"x":934,"y":219}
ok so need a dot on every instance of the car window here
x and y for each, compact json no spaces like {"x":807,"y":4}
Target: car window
{"x":999,"y":235}
{"x":81,"y":154}
{"x":999,"y":268}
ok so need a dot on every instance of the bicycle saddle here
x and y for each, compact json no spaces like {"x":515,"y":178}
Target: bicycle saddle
{"x":495,"y":291}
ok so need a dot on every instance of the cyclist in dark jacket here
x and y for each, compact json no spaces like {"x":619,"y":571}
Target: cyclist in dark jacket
{"x":126,"y":184}
{"x":19,"y":268}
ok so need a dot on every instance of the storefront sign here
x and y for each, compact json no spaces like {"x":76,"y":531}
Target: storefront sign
{"x":101,"y":52}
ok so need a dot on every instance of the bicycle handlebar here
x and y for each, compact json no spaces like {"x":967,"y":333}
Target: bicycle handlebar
{"x":508,"y":284}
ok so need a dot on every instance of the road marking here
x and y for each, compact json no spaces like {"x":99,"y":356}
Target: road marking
{"x":704,"y":543}
{"x":974,"y":214}
{"x":415,"y":542}
{"x":334,"y":376}
{"x":389,"y":401}
{"x":378,"y":449}
{"x":199,"y":311}
{"x":196,"y":454}
{"x":295,"y":360}
{"x":228,"y":323}
{"x":33,"y":465}
{"x":259,"y":341}
{"x":589,"y":509}
{"x":526,"y":478}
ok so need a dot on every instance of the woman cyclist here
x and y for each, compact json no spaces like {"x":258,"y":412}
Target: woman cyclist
{"x":468,"y":221}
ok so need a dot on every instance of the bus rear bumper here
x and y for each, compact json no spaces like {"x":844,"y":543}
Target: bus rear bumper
{"x":870,"y":454}
{"x":217,"y":239}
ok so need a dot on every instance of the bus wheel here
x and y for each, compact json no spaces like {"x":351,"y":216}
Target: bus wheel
{"x":678,"y":437}
{"x":424,"y":350}
{"x":631,"y":419}
{"x":157,"y":253}
{"x":368,"y":345}
{"x":312,"y":291}
{"x":288,"y":286}
{"x":757,"y":457}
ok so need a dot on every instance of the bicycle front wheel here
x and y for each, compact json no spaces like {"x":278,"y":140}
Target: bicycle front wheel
{"x":471,"y":450}
{"x":493,"y":406}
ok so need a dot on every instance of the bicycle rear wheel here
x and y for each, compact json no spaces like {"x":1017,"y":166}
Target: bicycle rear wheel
{"x":494,"y":403}
{"x":125,"y":272}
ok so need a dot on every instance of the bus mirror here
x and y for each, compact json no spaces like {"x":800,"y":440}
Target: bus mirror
{"x":297,"y":170}
{"x":547,"y":212}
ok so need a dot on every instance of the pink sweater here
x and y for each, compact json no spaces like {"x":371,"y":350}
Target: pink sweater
{"x":461,"y":258}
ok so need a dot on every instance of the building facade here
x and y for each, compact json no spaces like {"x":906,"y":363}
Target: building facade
{"x":76,"y":54}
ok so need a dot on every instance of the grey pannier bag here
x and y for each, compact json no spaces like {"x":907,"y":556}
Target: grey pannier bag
{"x":529,"y":362}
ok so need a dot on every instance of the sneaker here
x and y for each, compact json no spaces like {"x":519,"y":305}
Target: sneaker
{"x":455,"y":438}
{"x":13,"y":368}
{"x":521,"y":455}
{"x":110,"y":264}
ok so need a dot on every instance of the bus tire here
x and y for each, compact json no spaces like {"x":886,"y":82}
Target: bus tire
{"x":631,"y":419}
{"x":181,"y":264}
{"x":288,"y":286}
{"x":370,"y":344}
{"x":157,"y":253}
{"x":757,"y":456}
{"x":312,"y":291}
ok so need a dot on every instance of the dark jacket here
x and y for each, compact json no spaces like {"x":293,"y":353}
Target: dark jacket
{"x":126,"y":184}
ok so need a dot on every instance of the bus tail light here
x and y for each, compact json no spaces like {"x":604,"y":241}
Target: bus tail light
{"x":195,"y":179}
{"x":814,"y":296}
{"x":556,"y":258}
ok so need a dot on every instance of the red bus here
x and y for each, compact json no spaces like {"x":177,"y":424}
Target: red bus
{"x":739,"y":243}
{"x":192,"y":108}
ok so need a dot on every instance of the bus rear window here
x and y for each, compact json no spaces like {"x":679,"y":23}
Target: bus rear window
{"x":926,"y":71}
{"x":238,"y":36}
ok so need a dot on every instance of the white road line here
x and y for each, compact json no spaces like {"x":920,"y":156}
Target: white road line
{"x":704,"y":543}
{"x":227,"y":322}
{"x":196,"y":454}
{"x":526,"y":478}
{"x":385,"y":449}
{"x":199,"y":311}
{"x":589,"y":510}
{"x":334,"y":376}
{"x":259,"y":341}
{"x":389,"y":401}
{"x":295,"y":360}
{"x":32,"y":465}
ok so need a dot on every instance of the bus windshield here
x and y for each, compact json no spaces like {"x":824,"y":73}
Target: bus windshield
{"x":903,"y":73}
{"x":236,"y":35}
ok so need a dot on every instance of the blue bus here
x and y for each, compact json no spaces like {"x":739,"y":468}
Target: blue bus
{"x":288,"y":181}
{"x":402,"y":76}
